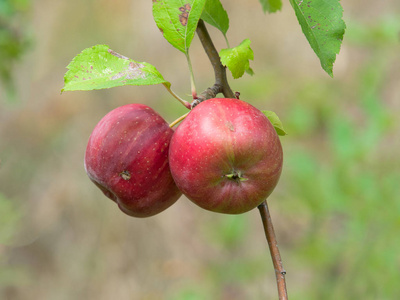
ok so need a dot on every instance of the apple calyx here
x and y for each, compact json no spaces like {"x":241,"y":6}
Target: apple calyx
{"x":125,"y":175}
{"x":236,"y":176}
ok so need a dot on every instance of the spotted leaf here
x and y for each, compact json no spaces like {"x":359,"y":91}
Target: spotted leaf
{"x":99,"y":67}
{"x":322,"y":24}
{"x":177,"y":20}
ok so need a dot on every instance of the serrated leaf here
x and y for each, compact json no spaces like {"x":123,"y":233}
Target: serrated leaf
{"x":99,"y":67}
{"x":250,"y":71}
{"x":237,"y":58}
{"x":275,"y":121}
{"x":177,"y":20}
{"x":215,"y":15}
{"x":322,"y":24}
{"x":271,"y":5}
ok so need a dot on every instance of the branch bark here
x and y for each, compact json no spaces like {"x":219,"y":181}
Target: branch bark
{"x":273,"y":248}
{"x":221,"y":83}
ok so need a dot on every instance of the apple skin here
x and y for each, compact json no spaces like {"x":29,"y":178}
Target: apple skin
{"x":226,"y":156}
{"x":127,"y":158}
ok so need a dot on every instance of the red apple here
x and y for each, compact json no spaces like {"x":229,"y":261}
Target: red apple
{"x":127,"y":158}
{"x":226,"y":156}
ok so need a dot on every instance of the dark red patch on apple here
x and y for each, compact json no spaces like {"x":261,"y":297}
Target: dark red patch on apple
{"x":127,"y":158}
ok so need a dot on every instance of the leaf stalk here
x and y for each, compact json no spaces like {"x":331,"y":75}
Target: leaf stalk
{"x":192,"y":83}
{"x":184,"y":102}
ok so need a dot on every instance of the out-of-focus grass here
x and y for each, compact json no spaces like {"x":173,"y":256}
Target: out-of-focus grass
{"x":335,"y":210}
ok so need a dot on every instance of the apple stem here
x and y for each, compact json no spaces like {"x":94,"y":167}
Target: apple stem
{"x":180,"y":119}
{"x":184,"y":102}
{"x":274,"y":250}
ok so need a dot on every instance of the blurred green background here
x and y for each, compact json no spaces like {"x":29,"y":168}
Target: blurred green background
{"x":336,"y":209}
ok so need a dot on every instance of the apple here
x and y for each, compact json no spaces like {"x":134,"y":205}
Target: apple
{"x":226,"y":156}
{"x":127,"y":158}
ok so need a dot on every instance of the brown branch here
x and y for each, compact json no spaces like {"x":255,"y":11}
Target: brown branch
{"x":273,"y":248}
{"x":207,"y":94}
{"x":221,"y":83}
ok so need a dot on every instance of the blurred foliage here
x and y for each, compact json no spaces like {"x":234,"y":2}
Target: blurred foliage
{"x":335,"y":210}
{"x":10,"y":218}
{"x":13,"y":40}
{"x":351,"y":192}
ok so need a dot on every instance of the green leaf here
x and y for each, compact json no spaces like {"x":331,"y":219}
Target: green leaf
{"x":100,"y":67}
{"x":271,"y":5}
{"x":322,"y":24}
{"x":275,"y":121}
{"x":215,"y":15}
{"x":250,"y":71}
{"x":177,"y":20}
{"x":237,"y":58}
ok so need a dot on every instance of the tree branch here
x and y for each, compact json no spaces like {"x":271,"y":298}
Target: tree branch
{"x":273,"y":248}
{"x":221,"y":83}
